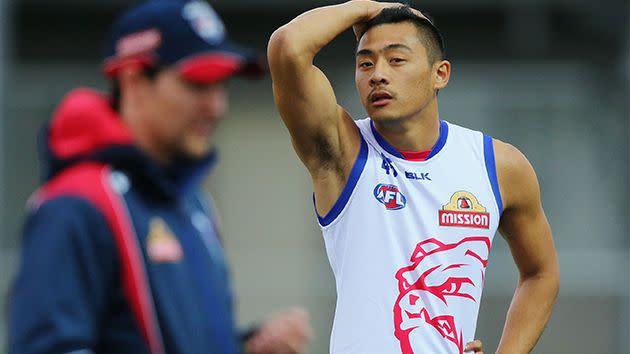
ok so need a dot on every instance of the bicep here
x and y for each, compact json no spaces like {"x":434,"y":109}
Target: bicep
{"x":306,"y":102}
{"x":529,"y":237}
{"x":524,"y":224}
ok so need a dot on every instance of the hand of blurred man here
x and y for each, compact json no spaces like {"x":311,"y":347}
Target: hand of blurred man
{"x":287,"y":332}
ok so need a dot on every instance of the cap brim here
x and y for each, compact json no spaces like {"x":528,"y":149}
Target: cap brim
{"x":215,"y":66}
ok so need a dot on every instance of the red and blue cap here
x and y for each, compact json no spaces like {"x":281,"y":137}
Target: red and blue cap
{"x":188,"y":35}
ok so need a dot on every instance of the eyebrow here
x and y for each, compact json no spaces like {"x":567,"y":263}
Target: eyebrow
{"x":395,"y":46}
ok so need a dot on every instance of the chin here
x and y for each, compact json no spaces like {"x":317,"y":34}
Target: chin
{"x":381,"y":116}
{"x":197,"y":151}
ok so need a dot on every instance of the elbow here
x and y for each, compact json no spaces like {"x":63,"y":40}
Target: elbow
{"x":547,"y":277}
{"x":553,"y":281}
{"x":283,"y":48}
{"x":554,"y":276}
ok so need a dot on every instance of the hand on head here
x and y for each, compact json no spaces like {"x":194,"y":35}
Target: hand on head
{"x":375,"y":8}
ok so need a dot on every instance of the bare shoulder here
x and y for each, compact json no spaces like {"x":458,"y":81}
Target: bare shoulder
{"x":518,"y":182}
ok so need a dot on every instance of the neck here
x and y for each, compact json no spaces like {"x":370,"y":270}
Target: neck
{"x":144,"y":138}
{"x":416,"y":133}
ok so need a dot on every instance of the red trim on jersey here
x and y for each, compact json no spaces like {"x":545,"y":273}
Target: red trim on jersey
{"x":80,"y":181}
{"x":415,"y":155}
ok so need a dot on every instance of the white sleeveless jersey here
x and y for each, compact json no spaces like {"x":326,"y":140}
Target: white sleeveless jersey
{"x":408,"y":243}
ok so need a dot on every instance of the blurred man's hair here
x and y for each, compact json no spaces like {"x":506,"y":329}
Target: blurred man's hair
{"x":114,"y":92}
{"x":427,"y":32}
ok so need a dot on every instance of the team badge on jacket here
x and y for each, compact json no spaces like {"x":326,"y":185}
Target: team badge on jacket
{"x":390,"y":196}
{"x":162,"y":245}
{"x":464,"y":210}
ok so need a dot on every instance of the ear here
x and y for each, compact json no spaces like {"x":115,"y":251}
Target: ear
{"x":129,"y":76}
{"x":132,"y":90}
{"x":442,"y":74}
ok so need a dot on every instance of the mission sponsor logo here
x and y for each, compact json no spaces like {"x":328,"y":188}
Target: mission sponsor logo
{"x":390,"y":196}
{"x":464,"y":210}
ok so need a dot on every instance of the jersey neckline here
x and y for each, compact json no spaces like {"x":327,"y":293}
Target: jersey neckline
{"x":393,"y":151}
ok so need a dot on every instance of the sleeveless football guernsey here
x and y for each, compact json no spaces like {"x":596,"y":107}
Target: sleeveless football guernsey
{"x":408,"y":243}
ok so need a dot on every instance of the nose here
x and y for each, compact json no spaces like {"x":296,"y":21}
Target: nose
{"x":379,"y":75}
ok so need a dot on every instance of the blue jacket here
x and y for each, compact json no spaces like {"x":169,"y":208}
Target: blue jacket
{"x":119,"y":255}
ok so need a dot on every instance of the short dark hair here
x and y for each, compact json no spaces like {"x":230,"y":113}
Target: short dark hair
{"x":114,"y":92}
{"x":428,"y":33}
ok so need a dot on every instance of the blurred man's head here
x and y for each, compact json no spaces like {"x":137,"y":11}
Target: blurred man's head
{"x":169,"y":61}
{"x":400,"y":64}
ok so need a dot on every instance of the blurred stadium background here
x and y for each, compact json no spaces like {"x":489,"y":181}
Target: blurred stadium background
{"x":550,"y":76}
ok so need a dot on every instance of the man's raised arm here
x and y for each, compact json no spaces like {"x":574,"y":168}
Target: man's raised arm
{"x":323,"y":134}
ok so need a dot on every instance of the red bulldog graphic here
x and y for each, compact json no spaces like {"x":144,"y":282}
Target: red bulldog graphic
{"x":428,"y":278}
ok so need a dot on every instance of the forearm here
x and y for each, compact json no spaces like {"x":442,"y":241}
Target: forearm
{"x":528,"y":314}
{"x":308,"y":33}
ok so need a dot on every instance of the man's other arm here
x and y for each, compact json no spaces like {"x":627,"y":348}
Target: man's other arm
{"x":528,"y":234}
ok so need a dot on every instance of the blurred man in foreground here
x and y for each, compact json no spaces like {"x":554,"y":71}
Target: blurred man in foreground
{"x":121,"y":248}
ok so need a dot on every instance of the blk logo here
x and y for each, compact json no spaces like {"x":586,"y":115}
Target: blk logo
{"x":424,"y":176}
{"x":390,"y":196}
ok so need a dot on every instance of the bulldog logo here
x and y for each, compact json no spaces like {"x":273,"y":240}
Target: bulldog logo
{"x":428,"y":284}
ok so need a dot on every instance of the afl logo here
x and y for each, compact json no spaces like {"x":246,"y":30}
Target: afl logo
{"x":390,"y":196}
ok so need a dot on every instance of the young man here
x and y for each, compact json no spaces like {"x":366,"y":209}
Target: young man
{"x":121,"y":249}
{"x":408,"y":203}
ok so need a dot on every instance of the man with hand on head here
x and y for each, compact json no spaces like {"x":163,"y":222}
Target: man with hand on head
{"x":121,"y":247}
{"x":408,"y":203}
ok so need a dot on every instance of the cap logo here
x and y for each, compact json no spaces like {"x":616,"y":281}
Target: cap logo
{"x":204,"y":21}
{"x":139,"y":42}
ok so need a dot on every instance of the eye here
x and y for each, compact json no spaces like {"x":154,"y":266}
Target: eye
{"x":397,"y":60}
{"x":453,"y":288}
{"x":365,"y":64}
{"x":200,"y":87}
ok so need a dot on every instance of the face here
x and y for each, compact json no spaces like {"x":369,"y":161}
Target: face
{"x":393,"y":75}
{"x":180,"y":116}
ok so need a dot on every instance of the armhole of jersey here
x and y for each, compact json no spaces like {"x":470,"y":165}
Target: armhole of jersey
{"x":488,"y":154}
{"x":355,"y":173}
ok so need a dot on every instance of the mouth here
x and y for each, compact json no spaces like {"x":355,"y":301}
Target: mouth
{"x":416,"y":316}
{"x":445,"y":325}
{"x":380,"y":98}
{"x":203,"y":129}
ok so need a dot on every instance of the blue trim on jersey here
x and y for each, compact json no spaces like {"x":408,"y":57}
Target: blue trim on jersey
{"x":383,"y":143}
{"x":357,"y":168}
{"x":441,"y":139}
{"x":392,"y":150}
{"x":488,"y":154}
